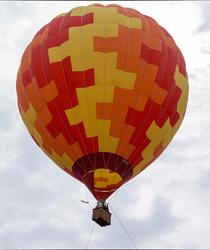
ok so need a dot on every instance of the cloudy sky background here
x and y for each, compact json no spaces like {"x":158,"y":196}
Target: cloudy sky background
{"x":166,"y":206}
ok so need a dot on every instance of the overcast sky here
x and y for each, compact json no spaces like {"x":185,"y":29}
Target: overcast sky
{"x":166,"y":206}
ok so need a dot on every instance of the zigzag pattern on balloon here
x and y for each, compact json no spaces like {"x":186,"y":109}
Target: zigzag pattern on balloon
{"x":102,"y":79}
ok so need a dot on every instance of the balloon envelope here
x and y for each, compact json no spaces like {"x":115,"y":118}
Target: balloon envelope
{"x":102,"y":90}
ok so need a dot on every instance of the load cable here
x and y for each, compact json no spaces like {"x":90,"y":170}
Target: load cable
{"x":129,"y":236}
{"x":86,"y":247}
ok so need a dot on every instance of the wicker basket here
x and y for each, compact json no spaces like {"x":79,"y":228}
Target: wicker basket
{"x":101,"y":216}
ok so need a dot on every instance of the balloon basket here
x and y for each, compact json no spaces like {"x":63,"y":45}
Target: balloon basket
{"x":101,"y":216}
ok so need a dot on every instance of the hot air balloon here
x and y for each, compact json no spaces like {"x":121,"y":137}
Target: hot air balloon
{"x":102,"y":91}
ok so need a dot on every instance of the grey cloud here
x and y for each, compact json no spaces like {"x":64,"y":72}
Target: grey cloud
{"x":7,"y":113}
{"x":203,"y":183}
{"x":206,"y":50}
{"x":40,"y":203}
{"x":11,"y":9}
{"x":36,"y":210}
{"x":42,"y":226}
{"x":157,"y":224}
{"x":31,"y":202}
{"x":188,"y":245}
{"x":205,"y":18}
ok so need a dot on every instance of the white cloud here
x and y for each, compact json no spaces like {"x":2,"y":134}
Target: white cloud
{"x":166,"y":206}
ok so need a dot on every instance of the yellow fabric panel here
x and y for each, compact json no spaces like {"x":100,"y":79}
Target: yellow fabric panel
{"x":94,"y":126}
{"x":157,"y":135}
{"x":68,"y":163}
{"x":104,"y":64}
{"x":96,"y":94}
{"x":107,"y":178}
{"x":165,"y":135}
{"x":77,"y":45}
{"x":61,"y":161}
{"x":111,"y":12}
{"x":74,"y":115}
{"x":107,"y":143}
{"x":57,"y":54}
{"x":29,"y":118}
{"x":56,"y":158}
{"x":125,"y":79}
{"x":182,"y":83}
{"x":106,"y":74}
{"x":87,"y":101}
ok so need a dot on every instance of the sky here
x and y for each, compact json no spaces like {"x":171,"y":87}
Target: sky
{"x":166,"y":206}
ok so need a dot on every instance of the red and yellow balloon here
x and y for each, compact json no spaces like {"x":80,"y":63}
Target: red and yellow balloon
{"x":102,"y":90}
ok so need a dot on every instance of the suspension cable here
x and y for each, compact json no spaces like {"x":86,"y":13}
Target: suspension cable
{"x":129,"y":236}
{"x":86,"y":247}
